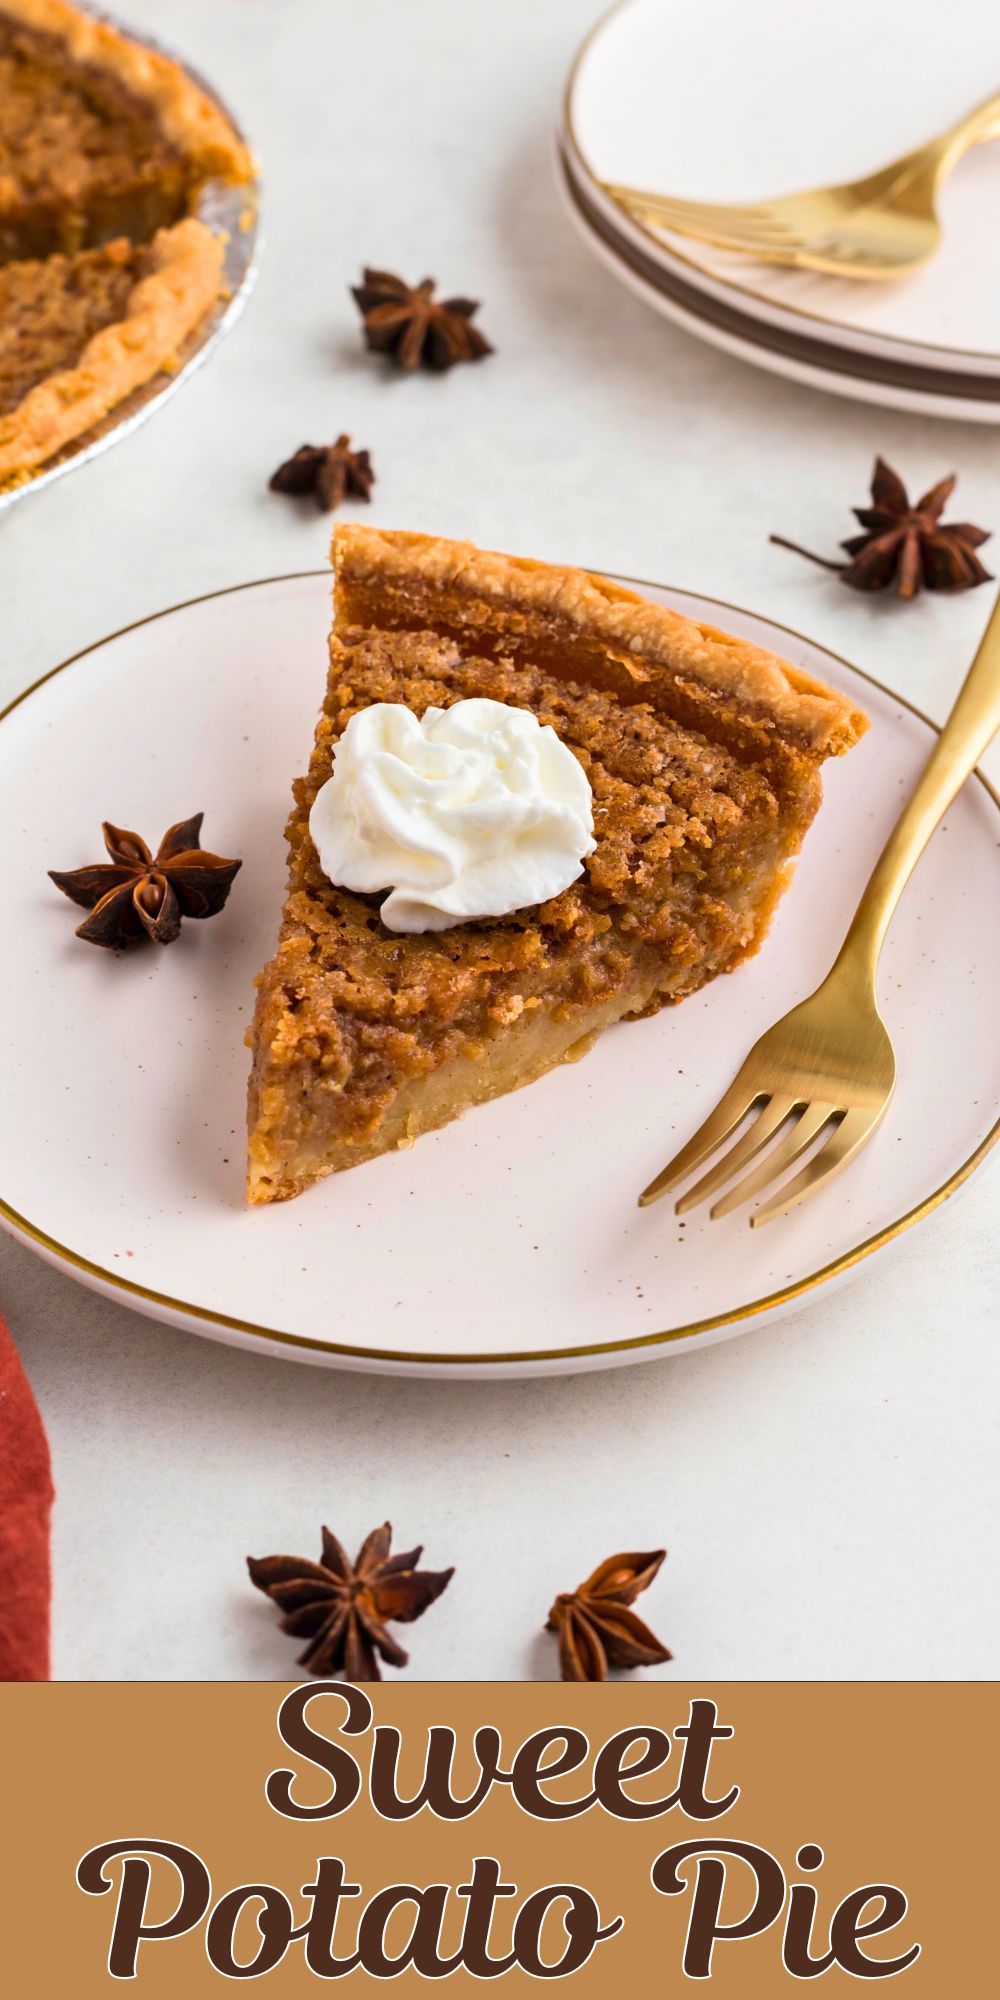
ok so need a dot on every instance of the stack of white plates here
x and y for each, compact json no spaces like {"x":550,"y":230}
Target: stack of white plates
{"x":729,"y":102}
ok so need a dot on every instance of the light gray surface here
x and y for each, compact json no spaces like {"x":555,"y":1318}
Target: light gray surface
{"x":828,"y":1488}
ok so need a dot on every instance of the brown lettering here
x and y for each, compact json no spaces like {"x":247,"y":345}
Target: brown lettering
{"x":421,"y":1948}
{"x":326,"y":1894}
{"x":796,"y":1956}
{"x":275,"y":1926}
{"x":847,"y":1928}
{"x":483,"y":1892}
{"x":129,"y":1930}
{"x":581,"y":1922}
{"x":527,"y":1774}
{"x":294,"y":1730}
{"x":610,"y":1776}
{"x":435,"y":1791}
{"x":698,"y":1734}
{"x":704,"y":1929}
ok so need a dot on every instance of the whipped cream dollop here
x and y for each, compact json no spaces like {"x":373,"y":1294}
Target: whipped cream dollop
{"x":472,"y":811}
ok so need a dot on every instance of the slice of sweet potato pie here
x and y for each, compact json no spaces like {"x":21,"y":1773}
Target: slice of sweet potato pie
{"x":467,"y":904}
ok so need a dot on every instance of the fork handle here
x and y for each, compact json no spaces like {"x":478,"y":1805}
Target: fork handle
{"x":971,"y":725}
{"x":973,"y":130}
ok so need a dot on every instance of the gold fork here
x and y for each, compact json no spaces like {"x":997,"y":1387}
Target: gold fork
{"x":871,"y":228}
{"x":828,"y":1067}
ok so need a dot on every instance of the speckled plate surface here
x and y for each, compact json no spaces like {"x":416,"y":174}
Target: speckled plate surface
{"x":509,"y":1243}
{"x":232,"y":210}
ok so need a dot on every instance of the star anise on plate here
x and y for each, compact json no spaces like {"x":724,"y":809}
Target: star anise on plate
{"x":343,"y":1608}
{"x":138,"y":894}
{"x":413,"y":327}
{"x":332,"y":472}
{"x":596,"y":1627}
{"x":910,"y":547}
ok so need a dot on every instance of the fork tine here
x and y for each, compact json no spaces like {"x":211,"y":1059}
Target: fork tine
{"x":772,"y":245}
{"x":722,"y":229}
{"x":783,"y":1155}
{"x":705,"y":218}
{"x":724,"y":222}
{"x":728,"y":1113}
{"x":764,"y":1127}
{"x":717,"y":211}
{"x":728,"y":234}
{"x":851,"y":1134}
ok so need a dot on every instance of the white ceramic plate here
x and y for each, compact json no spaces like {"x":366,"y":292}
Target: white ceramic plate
{"x":507,"y":1243}
{"x":231,"y":211}
{"x":713,"y":104}
{"x":889,"y":384}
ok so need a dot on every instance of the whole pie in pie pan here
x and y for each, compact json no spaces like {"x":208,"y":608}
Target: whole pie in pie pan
{"x":702,"y":756}
{"x":112,"y":159}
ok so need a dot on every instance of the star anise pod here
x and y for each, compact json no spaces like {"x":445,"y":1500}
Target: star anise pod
{"x":907,"y":546}
{"x":408,"y":323}
{"x":138,"y":894}
{"x":332,"y":472}
{"x":596,"y":1628}
{"x":342,"y":1609}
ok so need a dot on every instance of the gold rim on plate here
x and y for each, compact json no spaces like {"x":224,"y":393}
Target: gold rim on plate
{"x":700,"y":270}
{"x":160,"y":1303}
{"x":911,"y":377}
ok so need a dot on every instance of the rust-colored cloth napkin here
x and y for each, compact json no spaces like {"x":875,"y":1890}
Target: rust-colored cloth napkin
{"x":25,"y":1507}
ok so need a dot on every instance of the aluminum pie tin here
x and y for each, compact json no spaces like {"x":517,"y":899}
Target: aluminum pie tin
{"x":234,"y":211}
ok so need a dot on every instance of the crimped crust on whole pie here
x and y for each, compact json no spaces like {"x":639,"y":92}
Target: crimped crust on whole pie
{"x":703,"y":755}
{"x":186,"y":115}
{"x":176,"y":279}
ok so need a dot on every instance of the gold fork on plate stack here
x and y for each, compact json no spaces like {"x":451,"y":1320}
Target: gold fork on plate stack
{"x":877,"y":227}
{"x":824,"y":1075}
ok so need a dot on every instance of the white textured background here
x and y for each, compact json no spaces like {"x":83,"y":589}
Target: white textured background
{"x":828,"y":1489}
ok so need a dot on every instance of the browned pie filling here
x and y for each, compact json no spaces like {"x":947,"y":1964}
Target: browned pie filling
{"x":50,"y":309}
{"x":677,"y":821}
{"x":80,"y":159}
{"x":363,"y":1037}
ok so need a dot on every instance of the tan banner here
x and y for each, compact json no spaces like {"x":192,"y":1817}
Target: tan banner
{"x":650,"y":1838}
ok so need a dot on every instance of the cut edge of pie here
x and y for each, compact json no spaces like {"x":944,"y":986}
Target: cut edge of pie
{"x":182,"y":268}
{"x":704,"y":753}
